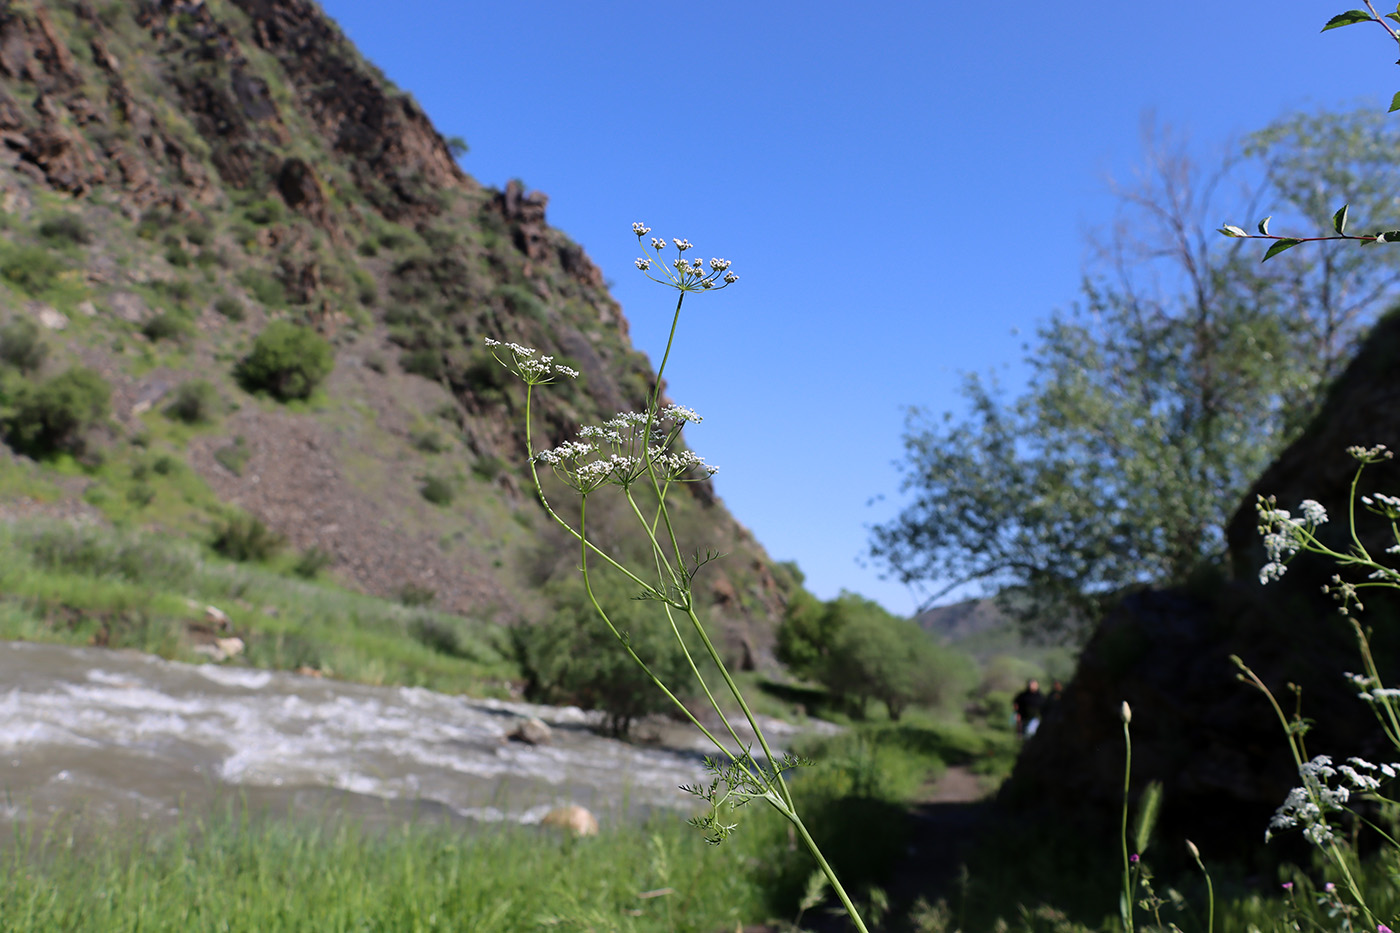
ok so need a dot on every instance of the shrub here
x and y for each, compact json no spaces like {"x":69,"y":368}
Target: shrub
{"x":437,"y":490}
{"x":229,"y":307}
{"x":32,"y":269}
{"x":245,"y":538}
{"x":286,"y":360}
{"x":21,"y":346}
{"x":194,"y":402}
{"x":488,"y":467}
{"x":430,"y":441}
{"x":311,"y":562}
{"x":234,"y":457}
{"x":65,"y":230}
{"x":414,"y":594}
{"x":141,"y":495}
{"x":571,"y":657}
{"x":170,"y":326}
{"x":54,"y":415}
{"x":427,"y":363}
{"x":269,"y":291}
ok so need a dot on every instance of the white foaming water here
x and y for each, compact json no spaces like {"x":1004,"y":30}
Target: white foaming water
{"x":119,"y":731}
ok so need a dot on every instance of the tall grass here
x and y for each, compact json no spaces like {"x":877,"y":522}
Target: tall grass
{"x":231,"y":872}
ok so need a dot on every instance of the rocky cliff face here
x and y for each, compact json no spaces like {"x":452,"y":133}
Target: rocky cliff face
{"x":222,"y":163}
{"x":1214,"y":742}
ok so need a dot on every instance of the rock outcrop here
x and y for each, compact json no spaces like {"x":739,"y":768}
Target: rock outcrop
{"x":1213,"y":741}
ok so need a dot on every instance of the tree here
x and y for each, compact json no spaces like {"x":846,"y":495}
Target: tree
{"x":859,"y":652}
{"x":571,"y":657}
{"x":1153,"y":403}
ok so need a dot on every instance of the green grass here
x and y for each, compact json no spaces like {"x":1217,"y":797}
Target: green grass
{"x":130,"y":590}
{"x":230,"y":872}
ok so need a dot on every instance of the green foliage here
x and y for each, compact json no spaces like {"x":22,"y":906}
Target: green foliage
{"x":266,"y":289}
{"x":63,"y":230}
{"x":32,"y":269}
{"x":21,"y":345}
{"x":1149,"y":412}
{"x":53,"y":416}
{"x":195,"y":401}
{"x":170,"y":325}
{"x":229,"y":307}
{"x":311,"y":562}
{"x":415,"y":594}
{"x":234,"y":457}
{"x":244,"y":537}
{"x":287,"y":360}
{"x":572,"y":657}
{"x":240,"y":870}
{"x":438,"y":490}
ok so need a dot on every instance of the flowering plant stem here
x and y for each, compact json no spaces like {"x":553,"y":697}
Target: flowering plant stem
{"x":643,"y":454}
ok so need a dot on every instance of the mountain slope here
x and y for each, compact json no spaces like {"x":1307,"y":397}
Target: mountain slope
{"x":176,"y":175}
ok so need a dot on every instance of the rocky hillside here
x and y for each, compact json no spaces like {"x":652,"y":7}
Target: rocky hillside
{"x":1214,"y":742}
{"x":176,"y":174}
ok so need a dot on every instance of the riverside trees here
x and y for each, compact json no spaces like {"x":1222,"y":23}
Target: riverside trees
{"x":1154,"y":401}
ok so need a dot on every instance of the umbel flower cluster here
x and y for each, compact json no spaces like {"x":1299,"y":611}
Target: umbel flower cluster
{"x":682,"y":273}
{"x":618,"y":451}
{"x":1326,"y":788}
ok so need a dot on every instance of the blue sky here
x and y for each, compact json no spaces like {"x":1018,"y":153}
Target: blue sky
{"x":905,"y":191}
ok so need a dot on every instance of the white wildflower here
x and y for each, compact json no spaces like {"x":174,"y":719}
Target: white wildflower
{"x":640,"y":229}
{"x":1313,"y":512}
{"x":643,"y":264}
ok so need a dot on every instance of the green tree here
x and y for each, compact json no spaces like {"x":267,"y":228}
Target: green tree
{"x":287,"y":360}
{"x":1153,"y":403}
{"x":572,"y":657}
{"x":53,"y":416}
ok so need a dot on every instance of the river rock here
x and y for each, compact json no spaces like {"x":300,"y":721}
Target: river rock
{"x":573,"y":818}
{"x":531,"y":731}
{"x":231,"y":647}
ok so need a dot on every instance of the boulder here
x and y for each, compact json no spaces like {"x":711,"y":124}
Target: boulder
{"x":531,"y":731}
{"x":573,"y":819}
{"x":1215,"y":742}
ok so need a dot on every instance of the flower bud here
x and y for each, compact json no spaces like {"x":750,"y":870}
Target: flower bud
{"x":1191,"y":847}
{"x":1127,"y":712}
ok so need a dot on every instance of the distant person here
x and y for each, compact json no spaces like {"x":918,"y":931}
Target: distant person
{"x":1028,"y":705}
{"x":1052,"y":702}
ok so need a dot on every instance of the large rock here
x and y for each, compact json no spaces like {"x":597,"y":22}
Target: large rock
{"x":1213,"y":741}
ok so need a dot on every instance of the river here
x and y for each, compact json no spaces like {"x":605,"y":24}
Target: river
{"x":116,"y":735}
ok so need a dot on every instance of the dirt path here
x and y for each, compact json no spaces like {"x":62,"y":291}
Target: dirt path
{"x":944,"y":825}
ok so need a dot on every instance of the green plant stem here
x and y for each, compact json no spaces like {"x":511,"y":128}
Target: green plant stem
{"x":1127,"y":862}
{"x":829,"y":872}
{"x":1210,"y":895}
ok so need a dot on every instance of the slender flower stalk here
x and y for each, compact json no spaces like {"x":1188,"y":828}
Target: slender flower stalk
{"x":642,"y":450}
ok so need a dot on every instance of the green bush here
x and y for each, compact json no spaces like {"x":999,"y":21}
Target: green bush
{"x":311,"y":562}
{"x":269,"y":291}
{"x":21,"y":346}
{"x":170,"y":325}
{"x":415,"y":594}
{"x":32,"y":269}
{"x":572,"y":657}
{"x":234,"y":457}
{"x":194,"y":402}
{"x":65,"y":230}
{"x":229,"y":307}
{"x":245,"y":538}
{"x":437,"y":490}
{"x":53,"y":416}
{"x":286,"y":360}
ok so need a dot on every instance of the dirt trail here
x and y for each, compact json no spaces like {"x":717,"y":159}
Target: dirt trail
{"x":944,"y":825}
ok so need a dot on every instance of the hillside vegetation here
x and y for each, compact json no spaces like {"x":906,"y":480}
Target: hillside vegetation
{"x":243,"y":291}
